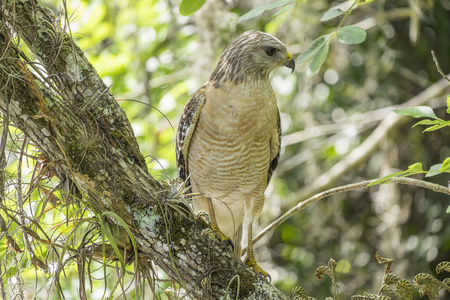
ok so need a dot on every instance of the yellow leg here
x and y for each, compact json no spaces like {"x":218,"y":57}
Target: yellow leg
{"x":250,"y":258}
{"x":214,"y":227}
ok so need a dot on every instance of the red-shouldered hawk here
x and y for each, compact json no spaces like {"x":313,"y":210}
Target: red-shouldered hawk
{"x":228,"y":139}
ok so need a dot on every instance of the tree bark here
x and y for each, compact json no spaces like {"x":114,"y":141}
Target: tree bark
{"x":69,"y":114}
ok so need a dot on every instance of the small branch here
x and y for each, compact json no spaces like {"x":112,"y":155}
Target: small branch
{"x":364,"y":122}
{"x":439,"y":67}
{"x":421,"y":183}
{"x":3,"y":162}
{"x":370,"y":144}
{"x":3,"y":140}
{"x":343,"y":189}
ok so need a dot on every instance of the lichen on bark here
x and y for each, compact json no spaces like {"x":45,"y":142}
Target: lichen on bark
{"x":71,"y":116}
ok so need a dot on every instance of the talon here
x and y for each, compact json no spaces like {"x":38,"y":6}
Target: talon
{"x":231,"y":244}
{"x":223,"y":238}
{"x":258,"y":270}
{"x":269,"y":277}
{"x":225,"y":244}
{"x":214,"y":227}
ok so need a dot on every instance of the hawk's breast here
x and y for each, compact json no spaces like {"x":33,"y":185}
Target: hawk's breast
{"x":229,"y":155}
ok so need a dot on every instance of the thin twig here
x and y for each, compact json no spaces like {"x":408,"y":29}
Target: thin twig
{"x":364,"y":122}
{"x":3,"y":140}
{"x":370,"y":144}
{"x":343,"y":189}
{"x":151,"y":106}
{"x":439,"y":67}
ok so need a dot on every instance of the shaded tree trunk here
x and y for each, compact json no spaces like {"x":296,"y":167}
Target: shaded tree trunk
{"x":70,"y":115}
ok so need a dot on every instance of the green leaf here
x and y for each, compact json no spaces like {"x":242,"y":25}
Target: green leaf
{"x":284,"y":9}
{"x":427,"y":122}
{"x":319,"y":59}
{"x":11,"y":271}
{"x":106,"y":230}
{"x":417,"y":167}
{"x":412,"y":169}
{"x":438,"y":126}
{"x":188,"y":7}
{"x":445,"y":165}
{"x":417,"y":112}
{"x":351,"y":35}
{"x":127,"y":229}
{"x":386,"y":178}
{"x":331,"y":14}
{"x":315,"y":46}
{"x":434,"y":170}
{"x":448,"y":103}
{"x":259,"y":10}
{"x":448,"y":210}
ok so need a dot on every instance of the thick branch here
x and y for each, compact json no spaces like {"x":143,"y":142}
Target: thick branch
{"x":71,"y":116}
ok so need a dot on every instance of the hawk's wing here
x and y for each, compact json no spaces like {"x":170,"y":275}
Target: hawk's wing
{"x":186,"y":130}
{"x":275,"y":148}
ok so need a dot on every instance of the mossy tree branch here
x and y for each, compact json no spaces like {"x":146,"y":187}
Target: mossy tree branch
{"x":69,"y":114}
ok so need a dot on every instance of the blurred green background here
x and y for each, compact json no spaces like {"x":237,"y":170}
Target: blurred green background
{"x":153,"y":59}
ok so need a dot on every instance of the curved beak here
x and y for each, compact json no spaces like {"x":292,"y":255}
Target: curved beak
{"x":290,"y":62}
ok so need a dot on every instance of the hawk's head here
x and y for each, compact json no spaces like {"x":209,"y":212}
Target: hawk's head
{"x":252,"y":55}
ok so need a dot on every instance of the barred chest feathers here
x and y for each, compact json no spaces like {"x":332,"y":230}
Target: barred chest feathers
{"x":250,"y":115}
{"x":236,"y":157}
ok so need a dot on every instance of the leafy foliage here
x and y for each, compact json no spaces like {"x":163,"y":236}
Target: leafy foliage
{"x":348,"y":35}
{"x":315,"y":46}
{"x":331,"y":14}
{"x":403,"y":290}
{"x":260,"y":9}
{"x":188,"y":7}
{"x":351,"y":35}
{"x":436,"y":123}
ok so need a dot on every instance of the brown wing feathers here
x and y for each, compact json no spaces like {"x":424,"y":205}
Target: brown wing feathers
{"x":186,"y":129}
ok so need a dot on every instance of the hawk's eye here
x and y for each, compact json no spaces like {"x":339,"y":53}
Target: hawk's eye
{"x":270,"y":51}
